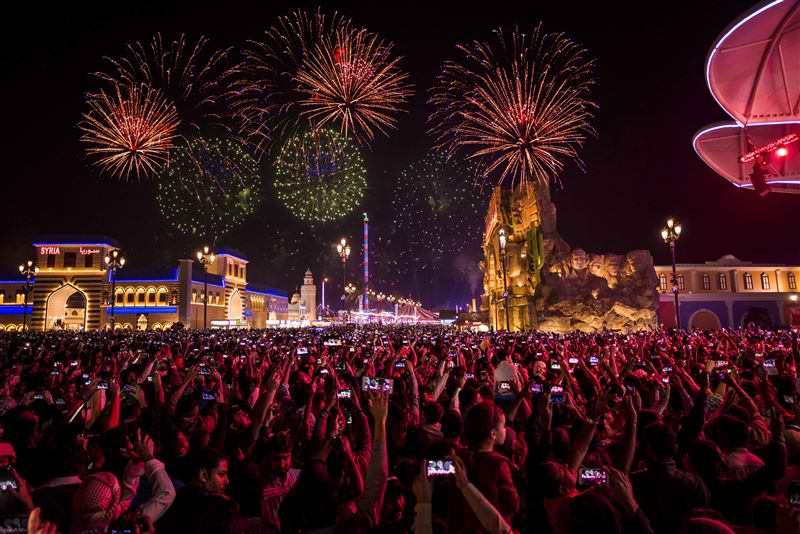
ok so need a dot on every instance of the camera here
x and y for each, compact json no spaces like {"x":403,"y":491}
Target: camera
{"x":371,"y":383}
{"x":556,"y":395}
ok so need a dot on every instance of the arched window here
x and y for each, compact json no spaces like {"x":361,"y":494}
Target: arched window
{"x":140,"y":296}
{"x":792,"y":281}
{"x":764,"y":281}
{"x":151,"y":296}
{"x":129,"y":296}
{"x":722,"y":281}
{"x":119,"y":296}
{"x":662,"y":282}
{"x":706,"y":281}
{"x":162,"y":296}
{"x":748,"y":281}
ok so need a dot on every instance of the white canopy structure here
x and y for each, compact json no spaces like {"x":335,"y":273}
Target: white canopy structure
{"x":753,"y":72}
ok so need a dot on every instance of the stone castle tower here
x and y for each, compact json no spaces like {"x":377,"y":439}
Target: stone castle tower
{"x":308,"y":296}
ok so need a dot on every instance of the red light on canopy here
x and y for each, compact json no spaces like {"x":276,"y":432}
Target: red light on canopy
{"x":779,"y":144}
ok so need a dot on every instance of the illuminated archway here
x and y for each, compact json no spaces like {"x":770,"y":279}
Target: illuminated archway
{"x":56,"y":308}
{"x":704,"y":320}
{"x":11,"y":328}
{"x":162,"y":299}
{"x":235,"y":307}
{"x":151,"y":296}
{"x":129,"y":297}
{"x":119,"y":297}
{"x":140,"y":296}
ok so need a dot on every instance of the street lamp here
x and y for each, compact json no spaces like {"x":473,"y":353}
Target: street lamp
{"x":670,"y":235}
{"x":114,"y":262}
{"x":502,"y":236}
{"x":206,"y":258}
{"x":27,"y":270}
{"x":349,"y":290}
{"x":344,"y":252}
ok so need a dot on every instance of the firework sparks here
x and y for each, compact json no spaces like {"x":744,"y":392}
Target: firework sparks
{"x":130,"y":131}
{"x":320,"y":175}
{"x":210,"y":187}
{"x":434,"y":193}
{"x":519,"y":106}
{"x":267,"y":96}
{"x":194,"y":78}
{"x":351,"y":79}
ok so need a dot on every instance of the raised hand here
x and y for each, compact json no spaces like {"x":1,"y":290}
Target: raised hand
{"x":422,"y":487}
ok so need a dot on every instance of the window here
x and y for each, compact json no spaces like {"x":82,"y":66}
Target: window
{"x":764,"y":281}
{"x":2,"y":296}
{"x":662,"y":282}
{"x":792,"y":281}
{"x":162,"y":296}
{"x":70,"y":259}
{"x":706,"y":282}
{"x":129,"y":296}
{"x":120,"y":296}
{"x":722,"y":281}
{"x":242,"y":272}
{"x":151,"y":296}
{"x":51,"y":261}
{"x":748,"y":281}
{"x":140,"y":296}
{"x":88,"y":261}
{"x":681,"y":282}
{"x":20,"y":296}
{"x":230,"y":269}
{"x":194,"y":295}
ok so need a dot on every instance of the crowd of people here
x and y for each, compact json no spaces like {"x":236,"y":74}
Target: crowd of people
{"x":399,"y":429}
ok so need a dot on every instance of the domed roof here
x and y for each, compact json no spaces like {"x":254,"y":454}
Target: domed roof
{"x":295,"y":298}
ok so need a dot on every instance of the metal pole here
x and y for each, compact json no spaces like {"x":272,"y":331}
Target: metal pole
{"x":205,"y":297}
{"x":113,"y":298}
{"x":675,"y":285}
{"x":25,"y":307}
{"x":505,"y":292}
{"x":323,"y":294}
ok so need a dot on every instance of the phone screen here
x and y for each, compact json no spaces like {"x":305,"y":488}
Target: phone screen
{"x":438,"y":468}
{"x":371,"y":383}
{"x":591,"y":476}
{"x":7,"y":480}
{"x":794,"y":493}
{"x":344,"y":394}
{"x":556,"y":395}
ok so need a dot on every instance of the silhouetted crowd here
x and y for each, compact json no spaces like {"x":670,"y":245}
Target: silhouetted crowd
{"x":399,"y":429}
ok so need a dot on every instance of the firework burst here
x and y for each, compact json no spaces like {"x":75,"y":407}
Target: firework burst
{"x":209,"y":188}
{"x":352,"y":80}
{"x":438,"y":193}
{"x":320,"y":175}
{"x":129,"y":131}
{"x":193,"y":77}
{"x":519,"y":106}
{"x":267,"y":96}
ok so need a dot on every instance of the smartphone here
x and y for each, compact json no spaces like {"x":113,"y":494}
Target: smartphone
{"x":371,"y":383}
{"x":302,"y":350}
{"x":204,"y":370}
{"x":129,"y":389}
{"x":504,"y":387}
{"x":440,"y":468}
{"x":665,"y":379}
{"x":555,"y":366}
{"x":450,"y":364}
{"x":536,"y":387}
{"x":592,"y":476}
{"x":573,"y":361}
{"x":38,"y":396}
{"x":7,"y":480}
{"x":469,"y":376}
{"x":103,"y":384}
{"x":593,"y":360}
{"x":794,"y":493}
{"x":344,"y":394}
{"x":769,"y":363}
{"x":556,"y":395}
{"x":401,"y":364}
{"x":208,"y":396}
{"x":60,"y":401}
{"x":150,"y":378}
{"x":73,"y":363}
{"x":668,"y":369}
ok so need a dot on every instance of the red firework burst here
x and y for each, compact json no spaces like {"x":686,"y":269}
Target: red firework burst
{"x":130,"y":131}
{"x":351,"y":79}
{"x":519,"y":107}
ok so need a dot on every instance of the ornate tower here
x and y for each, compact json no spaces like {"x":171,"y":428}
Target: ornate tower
{"x":308,"y":296}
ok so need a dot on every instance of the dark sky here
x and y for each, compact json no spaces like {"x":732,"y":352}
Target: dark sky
{"x":651,"y":92}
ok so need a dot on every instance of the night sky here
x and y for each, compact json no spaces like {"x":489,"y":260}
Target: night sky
{"x":651,"y":93}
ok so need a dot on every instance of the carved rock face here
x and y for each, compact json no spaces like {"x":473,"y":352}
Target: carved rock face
{"x":579,"y":260}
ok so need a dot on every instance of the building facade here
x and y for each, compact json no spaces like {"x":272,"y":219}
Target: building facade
{"x":303,"y":305}
{"x":74,"y":290}
{"x":729,"y":293}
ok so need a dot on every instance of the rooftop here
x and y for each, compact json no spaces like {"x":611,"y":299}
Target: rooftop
{"x":76,"y":239}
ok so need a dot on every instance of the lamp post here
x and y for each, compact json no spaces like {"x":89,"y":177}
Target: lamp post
{"x":670,"y":235}
{"x":344,"y":252}
{"x":206,"y":257}
{"x":27,"y":271}
{"x":502,"y":236}
{"x":349,"y":290}
{"x":114,"y":262}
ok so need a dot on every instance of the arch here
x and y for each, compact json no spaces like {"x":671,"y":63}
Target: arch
{"x":151,"y":296}
{"x":2,"y":327}
{"x":759,"y":316}
{"x":127,"y":326}
{"x":704,"y":319}
{"x":11,"y":328}
{"x":235,"y":306}
{"x":130,"y":298}
{"x":162,"y":297}
{"x":140,"y":296}
{"x":119,"y":297}
{"x":156,"y":326}
{"x":56,"y":306}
